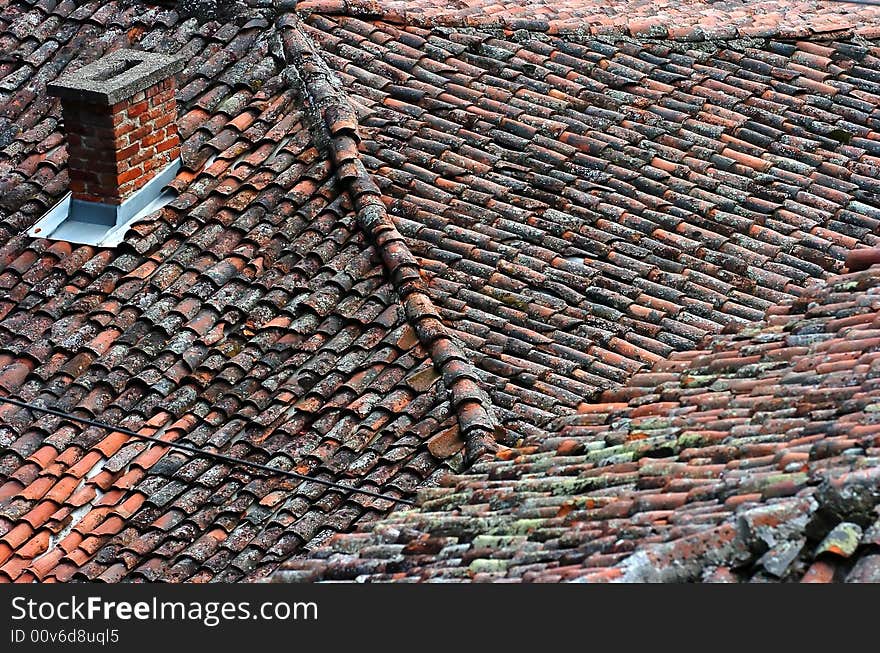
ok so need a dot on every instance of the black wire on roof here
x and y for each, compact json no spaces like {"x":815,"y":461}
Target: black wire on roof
{"x":207,"y":454}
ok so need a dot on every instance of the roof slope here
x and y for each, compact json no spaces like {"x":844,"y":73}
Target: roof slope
{"x":755,"y":459}
{"x":690,"y":20}
{"x":252,"y":317}
{"x":584,"y":207}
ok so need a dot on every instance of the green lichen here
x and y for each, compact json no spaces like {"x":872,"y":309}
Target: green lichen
{"x":842,"y":541}
{"x":520,"y":527}
{"x":657,"y":446}
{"x":620,"y":453}
{"x":497,"y":541}
{"x":756,"y":485}
{"x":654,"y":423}
{"x":690,"y":439}
{"x":569,"y":486}
{"x":697,"y":380}
{"x":488,"y":566}
{"x":448,"y":501}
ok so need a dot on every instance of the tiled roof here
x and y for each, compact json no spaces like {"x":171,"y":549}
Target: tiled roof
{"x":690,"y":20}
{"x":396,"y":241}
{"x":584,"y":208}
{"x":755,"y":459}
{"x":252,"y":317}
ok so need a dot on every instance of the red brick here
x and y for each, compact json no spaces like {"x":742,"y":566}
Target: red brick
{"x":156,"y":137}
{"x":126,"y":153}
{"x":167,"y":108}
{"x":118,"y":118}
{"x":152,"y":164}
{"x":98,"y":131}
{"x":76,"y":174}
{"x":107,"y":180}
{"x":161,"y":98}
{"x":124,"y":127}
{"x":134,"y":185}
{"x":136,"y":134}
{"x":98,"y":197}
{"x":166,"y":120}
{"x":172,"y":142}
{"x":75,"y":148}
{"x":137,"y":109}
{"x":144,"y":154}
{"x":129,"y":175}
{"x":144,"y":121}
{"x":95,"y":178}
{"x":120,"y":106}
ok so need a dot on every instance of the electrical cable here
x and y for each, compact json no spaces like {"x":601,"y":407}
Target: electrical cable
{"x":200,"y":452}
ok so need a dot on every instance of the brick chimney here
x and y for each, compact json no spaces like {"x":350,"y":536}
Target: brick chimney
{"x":120,"y":117}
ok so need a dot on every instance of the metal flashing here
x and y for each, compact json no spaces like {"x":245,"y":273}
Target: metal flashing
{"x":104,"y":225}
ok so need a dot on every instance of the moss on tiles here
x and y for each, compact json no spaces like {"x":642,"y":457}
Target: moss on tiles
{"x":697,"y":380}
{"x":757,"y":370}
{"x":498,"y":541}
{"x":488,"y":565}
{"x":691,"y":439}
{"x":606,"y":452}
{"x":446,"y":502}
{"x":515,"y":527}
{"x":760,"y":483}
{"x":653,"y":423}
{"x":843,"y":540}
{"x":659,"y":446}
{"x":845,"y":286}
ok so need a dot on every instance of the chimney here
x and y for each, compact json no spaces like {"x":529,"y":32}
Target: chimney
{"x":120,"y":117}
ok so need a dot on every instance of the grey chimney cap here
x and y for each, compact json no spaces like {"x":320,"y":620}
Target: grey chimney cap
{"x":115,"y":77}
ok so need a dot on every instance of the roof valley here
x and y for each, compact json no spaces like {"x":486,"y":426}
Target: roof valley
{"x":334,"y":126}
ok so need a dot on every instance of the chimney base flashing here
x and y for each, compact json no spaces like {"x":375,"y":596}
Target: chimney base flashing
{"x":104,"y":225}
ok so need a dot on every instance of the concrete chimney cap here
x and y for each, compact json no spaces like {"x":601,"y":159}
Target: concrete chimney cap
{"x":115,"y":77}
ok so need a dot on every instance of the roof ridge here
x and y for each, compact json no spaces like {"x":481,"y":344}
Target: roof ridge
{"x":698,"y":22}
{"x":334,"y":125}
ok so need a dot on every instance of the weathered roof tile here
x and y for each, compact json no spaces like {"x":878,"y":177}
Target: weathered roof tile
{"x":537,"y":216}
{"x":799,"y":500}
